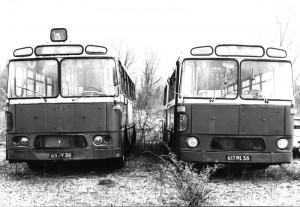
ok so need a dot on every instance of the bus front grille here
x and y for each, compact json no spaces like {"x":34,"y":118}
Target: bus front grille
{"x":60,"y":142}
{"x":238,"y":144}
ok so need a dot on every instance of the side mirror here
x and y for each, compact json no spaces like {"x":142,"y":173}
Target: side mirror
{"x":117,"y":90}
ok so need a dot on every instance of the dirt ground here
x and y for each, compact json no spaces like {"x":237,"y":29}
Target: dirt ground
{"x":137,"y":184}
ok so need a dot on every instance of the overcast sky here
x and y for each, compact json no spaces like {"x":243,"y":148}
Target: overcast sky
{"x":165,"y":27}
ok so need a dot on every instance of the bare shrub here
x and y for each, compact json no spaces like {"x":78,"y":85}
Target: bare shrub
{"x":107,"y":182}
{"x":283,"y":172}
{"x":191,"y":185}
{"x":148,"y":128}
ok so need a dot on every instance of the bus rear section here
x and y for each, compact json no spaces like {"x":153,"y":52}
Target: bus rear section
{"x":231,"y":104}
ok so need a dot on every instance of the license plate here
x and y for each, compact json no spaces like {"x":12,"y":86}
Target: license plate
{"x":61,"y":155}
{"x":238,"y":158}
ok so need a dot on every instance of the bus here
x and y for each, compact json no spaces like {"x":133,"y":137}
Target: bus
{"x":68,"y":102}
{"x":231,"y":104}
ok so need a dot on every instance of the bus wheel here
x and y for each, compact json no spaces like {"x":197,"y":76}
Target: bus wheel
{"x":133,"y":138}
{"x":120,"y":162}
{"x":127,"y":144}
{"x":259,"y":166}
{"x":35,"y":165}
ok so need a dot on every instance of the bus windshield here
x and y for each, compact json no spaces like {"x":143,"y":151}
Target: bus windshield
{"x":87,"y":77}
{"x":266,"y":80}
{"x":33,"y":78}
{"x":212,"y":78}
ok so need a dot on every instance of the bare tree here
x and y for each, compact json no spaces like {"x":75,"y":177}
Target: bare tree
{"x":287,"y":38}
{"x":148,"y":113}
{"x":283,"y":23}
{"x":287,"y":34}
{"x":150,"y":91}
{"x":126,"y":54}
{"x":3,"y":84}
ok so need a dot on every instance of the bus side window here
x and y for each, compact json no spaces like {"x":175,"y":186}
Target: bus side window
{"x":115,"y":74}
{"x":125,"y":84}
{"x":130,"y":89}
{"x":172,"y":87}
{"x":121,"y":77}
{"x":165,"y":95}
{"x":128,"y":86}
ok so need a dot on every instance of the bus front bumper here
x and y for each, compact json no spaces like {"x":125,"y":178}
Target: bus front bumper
{"x":221,"y":157}
{"x":62,"y":154}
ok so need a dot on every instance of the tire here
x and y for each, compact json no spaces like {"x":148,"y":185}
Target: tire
{"x":35,"y":165}
{"x":296,"y":153}
{"x":133,"y":138}
{"x":120,"y":162}
{"x":126,"y":140}
{"x":259,"y":166}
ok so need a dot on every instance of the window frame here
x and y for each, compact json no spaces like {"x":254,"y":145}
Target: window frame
{"x":218,"y":59}
{"x":264,"y":60}
{"x":85,"y":57}
{"x":37,"y":97}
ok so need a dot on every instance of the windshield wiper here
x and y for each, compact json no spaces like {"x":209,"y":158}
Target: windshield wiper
{"x":85,"y":94}
{"x":222,"y":87}
{"x":264,"y":97}
{"x":91,"y":93}
{"x":35,"y":92}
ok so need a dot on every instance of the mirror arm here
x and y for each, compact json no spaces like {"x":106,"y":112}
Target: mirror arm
{"x":4,"y":92}
{"x":296,"y":94}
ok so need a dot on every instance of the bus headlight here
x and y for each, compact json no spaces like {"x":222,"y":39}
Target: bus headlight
{"x":192,"y":142}
{"x":20,"y":141}
{"x":24,"y":141}
{"x":282,"y":143}
{"x":98,"y":140}
{"x":107,"y":139}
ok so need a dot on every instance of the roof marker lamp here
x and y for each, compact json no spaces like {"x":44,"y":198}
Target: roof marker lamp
{"x":276,"y":53}
{"x":58,"y":35}
{"x":23,"y":52}
{"x":201,"y":51}
{"x":95,"y":50}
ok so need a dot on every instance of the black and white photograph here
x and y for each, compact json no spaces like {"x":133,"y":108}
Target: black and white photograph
{"x":150,"y":103}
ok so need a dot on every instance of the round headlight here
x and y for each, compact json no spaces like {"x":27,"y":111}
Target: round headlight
{"x":192,"y":142}
{"x":282,"y":143}
{"x":16,"y":141}
{"x":107,"y":139}
{"x":98,"y":140}
{"x":24,"y":141}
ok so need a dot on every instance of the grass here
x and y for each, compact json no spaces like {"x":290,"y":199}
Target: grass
{"x":2,"y":126}
{"x":284,"y":172}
